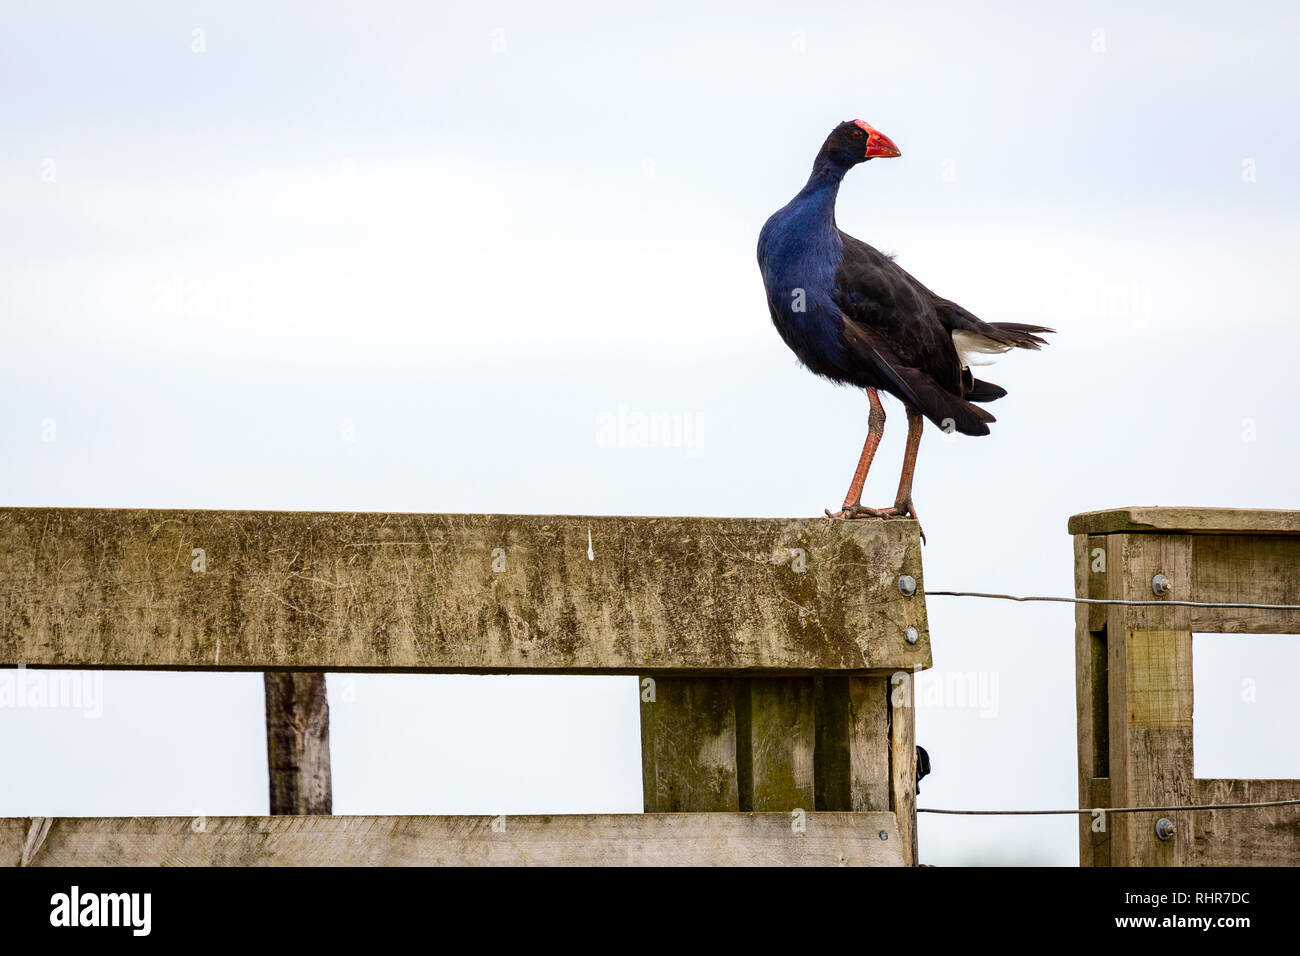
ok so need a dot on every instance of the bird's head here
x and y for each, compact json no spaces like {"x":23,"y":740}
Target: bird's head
{"x":853,"y":142}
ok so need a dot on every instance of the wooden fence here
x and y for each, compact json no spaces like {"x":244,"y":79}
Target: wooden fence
{"x":775,"y":660}
{"x":1134,"y":679}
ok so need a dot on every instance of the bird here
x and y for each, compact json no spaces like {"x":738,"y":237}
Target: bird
{"x":852,"y":315}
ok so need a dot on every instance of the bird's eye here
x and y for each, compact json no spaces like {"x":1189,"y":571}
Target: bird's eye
{"x":857,"y":134}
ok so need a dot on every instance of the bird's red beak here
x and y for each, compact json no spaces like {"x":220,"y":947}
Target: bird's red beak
{"x":878,"y":144}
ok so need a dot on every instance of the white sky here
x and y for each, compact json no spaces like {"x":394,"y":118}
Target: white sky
{"x":368,"y":215}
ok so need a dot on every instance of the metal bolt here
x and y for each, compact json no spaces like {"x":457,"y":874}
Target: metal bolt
{"x":884,"y":835}
{"x":1161,"y":585}
{"x":1164,"y":829}
{"x":906,"y":585}
{"x":912,"y":635}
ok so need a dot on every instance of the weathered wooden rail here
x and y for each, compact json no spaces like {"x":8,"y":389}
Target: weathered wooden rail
{"x":775,"y":660}
{"x":1134,"y":679}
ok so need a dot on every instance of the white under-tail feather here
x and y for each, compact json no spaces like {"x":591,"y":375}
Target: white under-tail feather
{"x":975,"y":349}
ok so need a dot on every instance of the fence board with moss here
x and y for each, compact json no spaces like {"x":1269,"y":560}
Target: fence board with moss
{"x":774,"y":657}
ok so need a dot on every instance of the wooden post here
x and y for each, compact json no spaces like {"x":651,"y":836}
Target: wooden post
{"x":298,"y":743}
{"x":1092,"y":698}
{"x":1134,"y":679}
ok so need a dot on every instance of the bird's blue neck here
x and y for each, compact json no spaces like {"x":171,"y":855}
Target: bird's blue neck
{"x":800,"y":246}
{"x":820,"y":192}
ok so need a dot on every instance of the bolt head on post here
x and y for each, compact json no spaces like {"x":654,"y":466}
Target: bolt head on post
{"x":1164,"y":829}
{"x":1161,"y":585}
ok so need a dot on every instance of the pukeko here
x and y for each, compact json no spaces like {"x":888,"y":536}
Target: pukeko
{"x":852,"y":315}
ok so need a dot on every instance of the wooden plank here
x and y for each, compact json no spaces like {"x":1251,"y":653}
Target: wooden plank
{"x":902,"y":761}
{"x":869,"y":741}
{"x":298,"y":743}
{"x":1091,"y":694}
{"x":229,"y":590}
{"x":688,"y":744}
{"x":1150,"y":690}
{"x":776,"y":736}
{"x":1117,"y":730}
{"x":1157,"y":708}
{"x":1186,"y":520}
{"x":1083,"y":687}
{"x":1268,"y":836}
{"x":853,"y":739}
{"x":685,"y":839}
{"x":1158,"y":742}
{"x":1245,"y":569}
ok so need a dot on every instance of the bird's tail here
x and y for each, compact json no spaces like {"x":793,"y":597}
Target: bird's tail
{"x":1018,"y":335}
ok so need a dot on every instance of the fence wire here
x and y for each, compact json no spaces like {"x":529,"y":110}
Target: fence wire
{"x":1077,"y":600}
{"x":1044,"y":813}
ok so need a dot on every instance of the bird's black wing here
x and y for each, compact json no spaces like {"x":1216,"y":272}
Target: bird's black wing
{"x":891,"y":322}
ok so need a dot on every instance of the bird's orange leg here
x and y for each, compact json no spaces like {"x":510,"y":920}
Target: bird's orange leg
{"x":903,"y":507}
{"x":903,"y":500}
{"x":875,"y":429}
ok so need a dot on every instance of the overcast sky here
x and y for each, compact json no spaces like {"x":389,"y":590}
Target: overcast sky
{"x":393,"y":257}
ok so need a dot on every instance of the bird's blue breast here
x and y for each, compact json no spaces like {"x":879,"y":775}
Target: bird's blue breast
{"x":799,"y":252}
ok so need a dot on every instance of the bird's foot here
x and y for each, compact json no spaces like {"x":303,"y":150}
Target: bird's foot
{"x":908,"y":510}
{"x":903,"y":509}
{"x":856,"y":511}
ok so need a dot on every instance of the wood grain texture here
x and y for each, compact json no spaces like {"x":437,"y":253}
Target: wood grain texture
{"x":869,"y":739}
{"x":454,"y":593}
{"x":1121,"y":757}
{"x":298,"y":743}
{"x":902,"y":761}
{"x":776,"y":743}
{"x":1091,"y":693}
{"x":1186,"y":520}
{"x":1246,"y":569}
{"x":1137,"y":558}
{"x":685,"y":839}
{"x":1268,"y":836}
{"x":688,"y":744}
{"x":1118,"y":583}
{"x":1150,"y":691}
